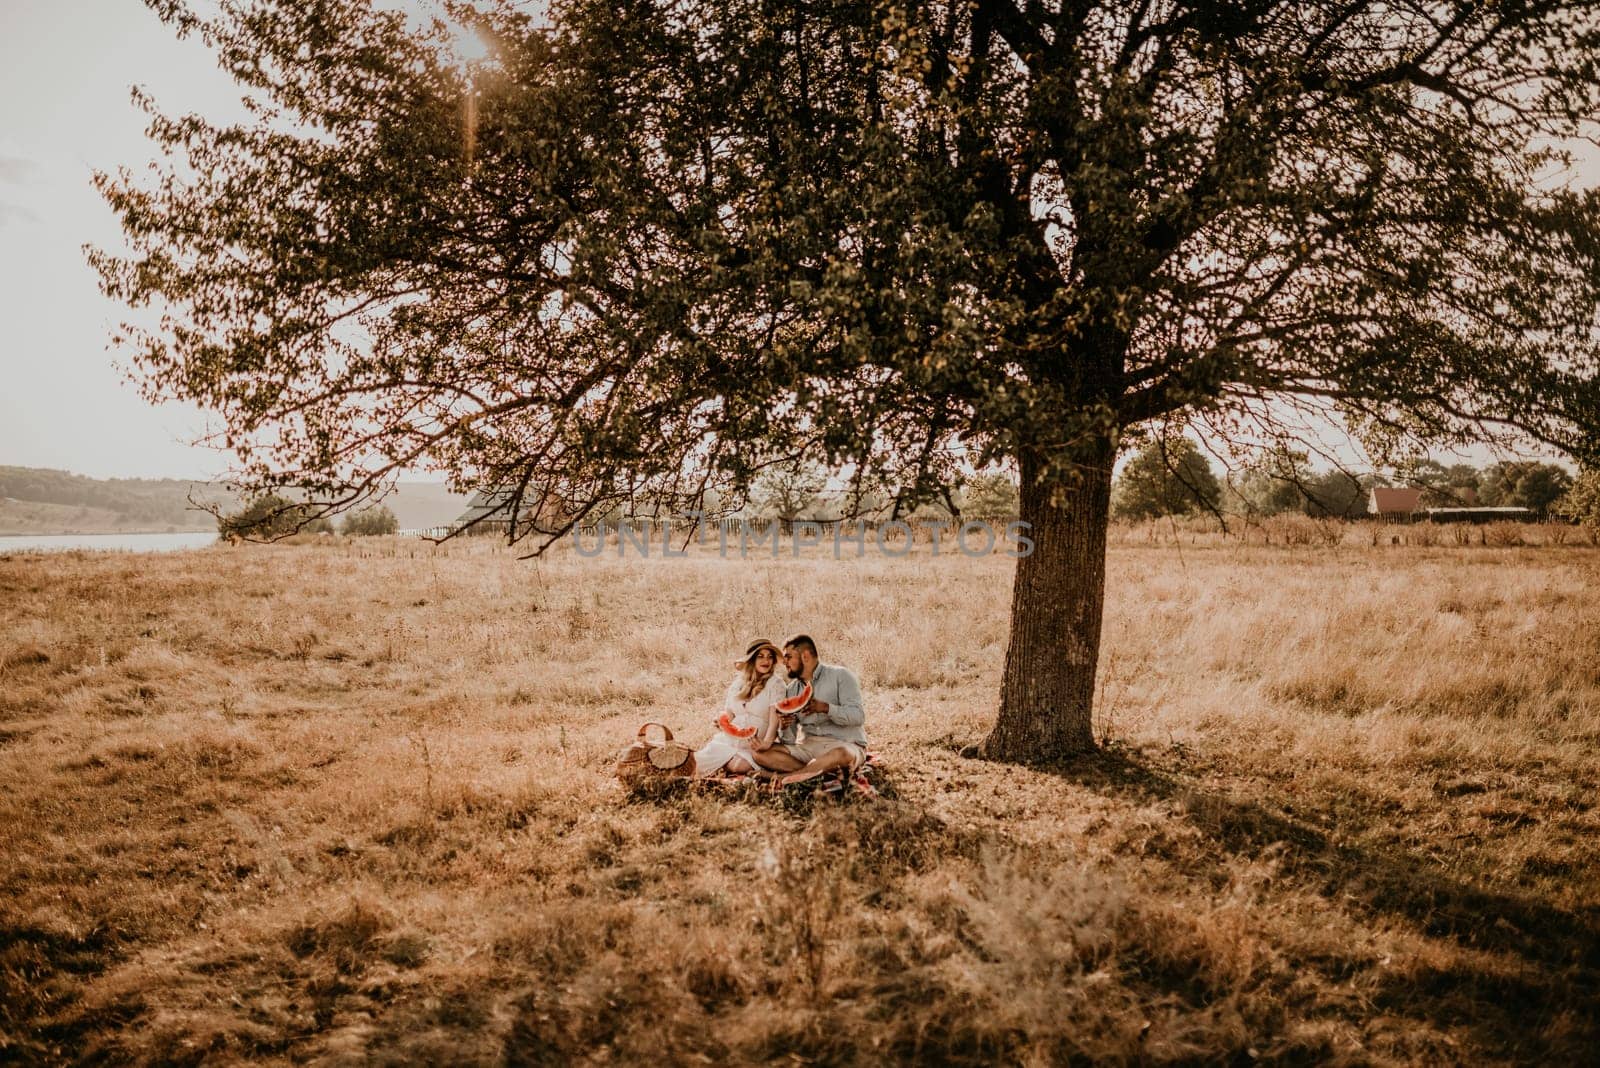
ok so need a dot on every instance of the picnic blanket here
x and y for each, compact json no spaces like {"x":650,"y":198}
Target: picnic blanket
{"x":869,"y":782}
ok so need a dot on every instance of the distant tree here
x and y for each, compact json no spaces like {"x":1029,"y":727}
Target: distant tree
{"x":789,"y":491}
{"x":269,"y":517}
{"x":1524,"y":484}
{"x":1273,"y":483}
{"x":990,"y":496}
{"x":1460,"y":489}
{"x":867,"y":497}
{"x":1582,"y":500}
{"x":1338,"y":494}
{"x":1169,"y":476}
{"x":371,"y":521}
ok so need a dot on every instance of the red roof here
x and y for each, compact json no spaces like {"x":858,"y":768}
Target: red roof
{"x":1386,"y":500}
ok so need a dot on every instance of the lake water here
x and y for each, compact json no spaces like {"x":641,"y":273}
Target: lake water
{"x":123,"y":543}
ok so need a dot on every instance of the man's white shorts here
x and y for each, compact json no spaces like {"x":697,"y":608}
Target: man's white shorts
{"x":817,"y":745}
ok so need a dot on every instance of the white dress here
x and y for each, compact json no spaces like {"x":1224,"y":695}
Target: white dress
{"x":723,"y":747}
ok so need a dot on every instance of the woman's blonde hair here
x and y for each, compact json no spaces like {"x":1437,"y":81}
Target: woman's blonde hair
{"x":754,"y":681}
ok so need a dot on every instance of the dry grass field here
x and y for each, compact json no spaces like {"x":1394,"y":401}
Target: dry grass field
{"x":350,"y":802}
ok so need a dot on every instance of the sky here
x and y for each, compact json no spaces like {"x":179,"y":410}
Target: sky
{"x":66,"y":71}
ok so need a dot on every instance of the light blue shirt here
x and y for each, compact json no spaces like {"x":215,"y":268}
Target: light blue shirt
{"x":841,"y":691}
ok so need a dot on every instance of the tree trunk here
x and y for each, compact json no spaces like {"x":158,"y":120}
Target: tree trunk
{"x":1047,"y":693}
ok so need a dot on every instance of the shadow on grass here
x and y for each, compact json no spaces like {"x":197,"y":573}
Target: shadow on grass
{"x":38,"y":967}
{"x":1553,"y":981}
{"x":1383,"y":881}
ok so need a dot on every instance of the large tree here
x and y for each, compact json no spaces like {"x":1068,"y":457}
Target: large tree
{"x":652,"y":248}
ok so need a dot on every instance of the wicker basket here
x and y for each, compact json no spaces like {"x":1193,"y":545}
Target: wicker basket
{"x":646,"y":759}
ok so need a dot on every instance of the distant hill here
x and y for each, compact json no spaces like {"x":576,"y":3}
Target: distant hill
{"x":425,"y":504}
{"x":42,"y":517}
{"x":38,"y":500}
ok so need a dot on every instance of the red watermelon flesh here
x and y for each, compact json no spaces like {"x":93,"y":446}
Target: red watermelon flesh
{"x":797,"y":702}
{"x":726,"y":723}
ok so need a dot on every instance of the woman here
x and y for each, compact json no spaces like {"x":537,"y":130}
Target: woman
{"x":747,"y":720}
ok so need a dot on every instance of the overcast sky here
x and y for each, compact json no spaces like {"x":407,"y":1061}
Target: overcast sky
{"x":66,"y":69}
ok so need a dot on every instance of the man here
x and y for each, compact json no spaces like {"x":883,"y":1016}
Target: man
{"x":832,"y":734}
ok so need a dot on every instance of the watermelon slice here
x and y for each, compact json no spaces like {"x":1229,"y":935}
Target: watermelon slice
{"x":790,"y":705}
{"x":726,"y":723}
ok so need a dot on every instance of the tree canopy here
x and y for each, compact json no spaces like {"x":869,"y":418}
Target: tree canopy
{"x":692,"y":239}
{"x":650,"y":249}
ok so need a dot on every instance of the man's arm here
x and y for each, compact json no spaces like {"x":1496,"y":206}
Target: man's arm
{"x":848,"y":710}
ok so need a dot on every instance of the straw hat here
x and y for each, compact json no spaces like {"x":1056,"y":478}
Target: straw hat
{"x":754,"y":648}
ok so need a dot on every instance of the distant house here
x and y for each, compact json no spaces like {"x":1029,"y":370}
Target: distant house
{"x":488,"y":512}
{"x":1394,"y":505}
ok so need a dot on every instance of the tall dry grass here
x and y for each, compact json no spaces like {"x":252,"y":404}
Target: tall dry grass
{"x":350,"y":801}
